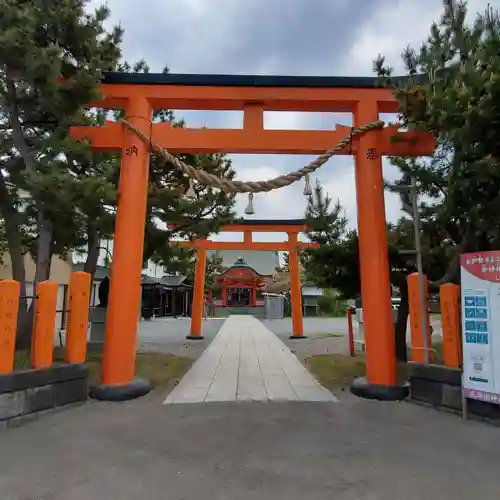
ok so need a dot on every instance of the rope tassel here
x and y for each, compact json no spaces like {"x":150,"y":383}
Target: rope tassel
{"x":307,"y":187}
{"x":191,"y":193}
{"x":250,"y":210}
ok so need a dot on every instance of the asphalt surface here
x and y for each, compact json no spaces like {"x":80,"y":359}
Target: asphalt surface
{"x":349,"y":450}
{"x":353,"y":449}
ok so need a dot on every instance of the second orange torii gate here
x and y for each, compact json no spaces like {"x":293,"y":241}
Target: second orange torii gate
{"x":292,"y":246}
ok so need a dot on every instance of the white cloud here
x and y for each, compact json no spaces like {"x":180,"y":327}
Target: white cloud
{"x":277,"y":37}
{"x":395,"y":25}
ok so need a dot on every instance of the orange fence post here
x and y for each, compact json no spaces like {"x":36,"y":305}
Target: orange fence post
{"x":42,"y":345}
{"x":9,"y":305}
{"x":198,"y":294}
{"x":78,"y":318}
{"x":449,"y":296}
{"x":350,"y":327}
{"x":417,"y":332}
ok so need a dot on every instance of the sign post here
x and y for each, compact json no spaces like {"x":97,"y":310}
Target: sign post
{"x":480,"y":280}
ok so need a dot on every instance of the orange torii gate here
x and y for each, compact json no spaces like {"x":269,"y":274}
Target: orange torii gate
{"x":140,"y":94}
{"x":248,"y":227}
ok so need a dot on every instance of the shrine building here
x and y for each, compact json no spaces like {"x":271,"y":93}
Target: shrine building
{"x":237,"y":286}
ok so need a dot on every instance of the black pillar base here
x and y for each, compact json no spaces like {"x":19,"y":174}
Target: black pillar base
{"x":297,"y":336}
{"x":195,"y":337}
{"x":362,"y":388}
{"x":123,"y":392}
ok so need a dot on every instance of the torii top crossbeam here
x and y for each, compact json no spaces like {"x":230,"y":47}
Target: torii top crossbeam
{"x":253,"y":95}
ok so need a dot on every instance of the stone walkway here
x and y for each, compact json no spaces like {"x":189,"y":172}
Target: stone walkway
{"x":247,"y":362}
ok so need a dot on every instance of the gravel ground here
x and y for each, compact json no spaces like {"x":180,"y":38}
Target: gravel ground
{"x":324,"y":335}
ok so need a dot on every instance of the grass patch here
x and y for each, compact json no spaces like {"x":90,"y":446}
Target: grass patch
{"x":162,"y":370}
{"x":335,"y":370}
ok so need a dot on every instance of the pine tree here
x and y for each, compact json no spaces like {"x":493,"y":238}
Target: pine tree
{"x":215,"y":267}
{"x":459,"y":100}
{"x":334,"y":264}
{"x":51,"y":59}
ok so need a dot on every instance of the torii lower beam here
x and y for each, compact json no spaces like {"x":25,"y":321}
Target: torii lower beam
{"x":259,"y":246}
{"x":255,"y":140}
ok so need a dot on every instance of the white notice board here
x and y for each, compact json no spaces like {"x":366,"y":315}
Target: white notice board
{"x":480,"y":289}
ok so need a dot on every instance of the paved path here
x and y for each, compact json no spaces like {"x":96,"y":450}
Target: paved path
{"x":247,"y":362}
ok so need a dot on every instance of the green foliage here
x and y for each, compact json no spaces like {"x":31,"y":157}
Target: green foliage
{"x":330,"y":304}
{"x":459,"y":100}
{"x":50,"y":62}
{"x":167,"y":205}
{"x":184,"y":265}
{"x":334,"y":264}
{"x":214,"y":268}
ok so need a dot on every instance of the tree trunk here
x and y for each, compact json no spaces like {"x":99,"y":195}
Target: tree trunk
{"x":44,"y":250}
{"x":13,"y":225}
{"x":402,"y":324}
{"x":90,"y":265}
{"x":452,"y":274}
{"x":26,"y":317}
{"x":42,"y":273}
{"x":13,"y":233}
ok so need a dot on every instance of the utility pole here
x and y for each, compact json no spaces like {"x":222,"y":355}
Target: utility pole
{"x":420,"y":271}
{"x":412,"y":188}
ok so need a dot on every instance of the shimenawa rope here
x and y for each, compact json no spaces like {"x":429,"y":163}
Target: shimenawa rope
{"x":231,"y":186}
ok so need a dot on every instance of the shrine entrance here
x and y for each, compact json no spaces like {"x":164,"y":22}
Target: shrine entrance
{"x":369,"y":140}
{"x":239,"y":297}
{"x":292,"y":246}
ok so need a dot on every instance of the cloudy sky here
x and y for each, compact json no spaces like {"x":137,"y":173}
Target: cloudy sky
{"x":286,"y":37}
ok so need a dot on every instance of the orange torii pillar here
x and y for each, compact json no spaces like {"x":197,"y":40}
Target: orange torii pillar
{"x":295,"y":288}
{"x":118,"y":382}
{"x":196,"y":332}
{"x":381,"y":378}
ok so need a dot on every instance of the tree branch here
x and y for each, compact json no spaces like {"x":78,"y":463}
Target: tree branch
{"x":17,"y":131}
